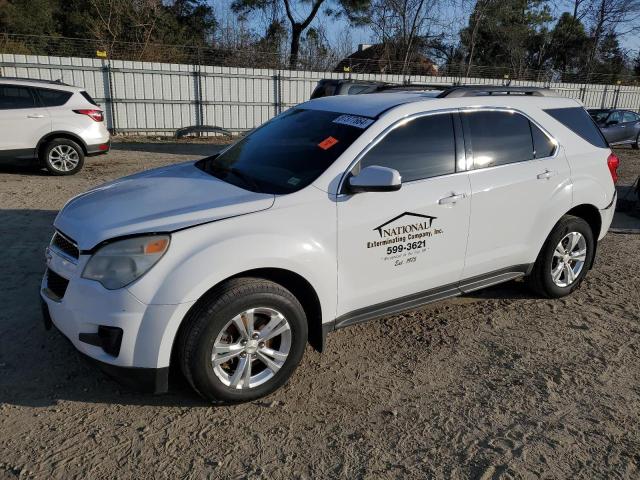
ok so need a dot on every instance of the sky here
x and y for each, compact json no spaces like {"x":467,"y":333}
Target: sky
{"x":456,"y":17}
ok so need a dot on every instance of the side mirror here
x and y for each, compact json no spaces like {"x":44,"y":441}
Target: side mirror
{"x":612,"y":122}
{"x":375,"y":179}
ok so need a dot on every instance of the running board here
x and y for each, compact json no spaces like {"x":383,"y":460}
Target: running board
{"x":416,"y":300}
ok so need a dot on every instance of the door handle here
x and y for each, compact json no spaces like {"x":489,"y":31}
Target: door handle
{"x":546,"y":175}
{"x":451,"y":199}
{"x":35,"y":116}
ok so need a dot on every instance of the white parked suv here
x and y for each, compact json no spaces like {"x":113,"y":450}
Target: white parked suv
{"x":55,"y":123}
{"x":338,"y":211}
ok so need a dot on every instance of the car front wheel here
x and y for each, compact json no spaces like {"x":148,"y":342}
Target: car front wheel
{"x":244,"y":340}
{"x":564,"y":259}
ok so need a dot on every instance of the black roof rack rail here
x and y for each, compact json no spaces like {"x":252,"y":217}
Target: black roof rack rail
{"x":478,"y":90}
{"x":37,"y":80}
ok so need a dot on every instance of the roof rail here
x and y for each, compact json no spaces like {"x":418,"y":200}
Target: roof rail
{"x":37,"y":80}
{"x":479,"y":90}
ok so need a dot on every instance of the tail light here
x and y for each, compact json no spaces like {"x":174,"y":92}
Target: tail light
{"x":94,"y":114}
{"x":613,"y":162}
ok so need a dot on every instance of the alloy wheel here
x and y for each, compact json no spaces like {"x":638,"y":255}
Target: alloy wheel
{"x":64,"y":158}
{"x":568,"y":259}
{"x":251,"y":348}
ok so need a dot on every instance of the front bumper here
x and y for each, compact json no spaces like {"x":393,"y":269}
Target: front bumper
{"x":149,"y":380}
{"x":86,"y":309}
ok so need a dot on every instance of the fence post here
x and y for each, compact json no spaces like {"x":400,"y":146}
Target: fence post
{"x":277,"y":93}
{"x":107,"y":82}
{"x":604,"y":97}
{"x":197,"y":87}
{"x":615,"y":98}
{"x":583,"y":91}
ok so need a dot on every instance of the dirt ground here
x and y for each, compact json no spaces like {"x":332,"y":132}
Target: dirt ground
{"x":498,"y":384}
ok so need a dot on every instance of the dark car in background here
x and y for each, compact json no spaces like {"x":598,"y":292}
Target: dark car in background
{"x":620,"y":127}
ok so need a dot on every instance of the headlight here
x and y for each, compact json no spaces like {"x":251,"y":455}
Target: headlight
{"x":119,"y":263}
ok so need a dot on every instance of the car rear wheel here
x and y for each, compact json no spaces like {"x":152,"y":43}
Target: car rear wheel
{"x":244,"y":341}
{"x":636,"y":145}
{"x":62,"y":156}
{"x":564,"y":259}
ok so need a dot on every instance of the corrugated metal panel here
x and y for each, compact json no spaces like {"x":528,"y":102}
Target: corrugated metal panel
{"x":151,"y":97}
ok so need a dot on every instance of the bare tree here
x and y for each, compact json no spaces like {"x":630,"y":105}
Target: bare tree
{"x":621,"y":17}
{"x":403,"y":25}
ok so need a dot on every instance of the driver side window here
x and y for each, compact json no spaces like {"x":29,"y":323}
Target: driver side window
{"x":420,"y":148}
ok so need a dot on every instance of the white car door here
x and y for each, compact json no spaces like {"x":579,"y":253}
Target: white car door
{"x":520,"y":186}
{"x":22,"y":121}
{"x":400,"y":248}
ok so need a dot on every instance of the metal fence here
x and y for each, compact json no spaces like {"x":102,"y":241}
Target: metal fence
{"x":160,"y":98}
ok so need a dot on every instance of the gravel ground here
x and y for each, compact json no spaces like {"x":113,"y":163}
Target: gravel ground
{"x":498,"y":384}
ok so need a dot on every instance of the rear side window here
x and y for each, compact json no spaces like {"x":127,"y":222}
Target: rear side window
{"x":630,"y":117}
{"x":88,"y":98}
{"x":497,"y":138}
{"x":578,"y":120}
{"x":14,"y":97}
{"x":53,"y":98}
{"x":543,"y":146}
{"x":422,"y":148}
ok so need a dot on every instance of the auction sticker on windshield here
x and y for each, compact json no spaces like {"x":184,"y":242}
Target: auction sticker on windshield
{"x":354,"y":121}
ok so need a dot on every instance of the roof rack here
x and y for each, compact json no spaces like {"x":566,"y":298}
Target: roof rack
{"x":478,"y":90}
{"x":36,"y":80}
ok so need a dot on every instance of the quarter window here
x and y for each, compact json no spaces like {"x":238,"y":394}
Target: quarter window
{"x":421,"y":148}
{"x":498,"y":138}
{"x":14,"y":97}
{"x":578,"y":120}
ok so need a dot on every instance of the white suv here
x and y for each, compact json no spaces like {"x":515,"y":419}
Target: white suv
{"x":338,"y":211}
{"x":53,"y":122}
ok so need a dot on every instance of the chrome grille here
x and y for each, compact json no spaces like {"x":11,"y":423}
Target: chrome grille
{"x":65,"y":245}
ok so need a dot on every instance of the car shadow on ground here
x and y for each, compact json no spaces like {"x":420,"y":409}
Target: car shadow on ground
{"x":22,"y":167}
{"x":176,"y":148}
{"x":39,"y":368}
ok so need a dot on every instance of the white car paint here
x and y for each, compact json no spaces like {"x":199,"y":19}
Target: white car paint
{"x":25,"y":130}
{"x":501,"y":218}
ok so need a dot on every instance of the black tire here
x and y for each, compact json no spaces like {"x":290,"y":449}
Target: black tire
{"x":540,"y":279}
{"x":636,"y":145}
{"x":55,"y":168}
{"x":209,"y":318}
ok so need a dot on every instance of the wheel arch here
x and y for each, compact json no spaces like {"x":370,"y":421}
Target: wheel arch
{"x":294,"y":282}
{"x":590,"y":214}
{"x":60,"y":134}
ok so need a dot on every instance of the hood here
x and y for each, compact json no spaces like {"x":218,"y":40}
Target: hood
{"x":159,"y":200}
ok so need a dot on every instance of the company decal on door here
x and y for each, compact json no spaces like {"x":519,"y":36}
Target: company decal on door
{"x":403,"y":239}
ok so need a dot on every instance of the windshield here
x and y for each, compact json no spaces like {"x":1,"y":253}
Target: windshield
{"x":287,"y":153}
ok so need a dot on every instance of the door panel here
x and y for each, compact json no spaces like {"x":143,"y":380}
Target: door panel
{"x":22,"y":124}
{"x":515,"y":198}
{"x":394,"y":244}
{"x":514,"y":207}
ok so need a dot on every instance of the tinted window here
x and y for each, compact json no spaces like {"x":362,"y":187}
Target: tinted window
{"x":421,"y":148}
{"x":543,"y":146}
{"x":629,"y":117}
{"x":287,"y":153}
{"x":497,"y":138}
{"x":599,"y":115}
{"x":88,"y":98}
{"x":579,"y":121}
{"x":615,"y":117}
{"x":53,"y":98}
{"x":12,"y":97}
